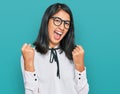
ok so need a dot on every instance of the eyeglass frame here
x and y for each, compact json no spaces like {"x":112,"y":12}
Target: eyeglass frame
{"x":53,"y":17}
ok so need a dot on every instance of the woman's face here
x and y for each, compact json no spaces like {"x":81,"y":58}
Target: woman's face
{"x":58,"y":26}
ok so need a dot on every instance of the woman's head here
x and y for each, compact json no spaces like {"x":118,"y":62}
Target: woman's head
{"x":57,"y":28}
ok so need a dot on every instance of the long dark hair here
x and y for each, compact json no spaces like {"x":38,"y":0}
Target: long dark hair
{"x":67,"y":43}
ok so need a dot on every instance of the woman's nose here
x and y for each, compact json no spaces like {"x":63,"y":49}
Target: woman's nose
{"x":62,"y":26}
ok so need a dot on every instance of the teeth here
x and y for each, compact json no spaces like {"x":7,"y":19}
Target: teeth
{"x":60,"y":33}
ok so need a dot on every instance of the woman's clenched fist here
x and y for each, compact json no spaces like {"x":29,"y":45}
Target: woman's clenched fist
{"x":28,"y":56}
{"x":78,"y":58}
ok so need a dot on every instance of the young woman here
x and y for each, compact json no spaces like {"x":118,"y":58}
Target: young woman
{"x":55,"y":65}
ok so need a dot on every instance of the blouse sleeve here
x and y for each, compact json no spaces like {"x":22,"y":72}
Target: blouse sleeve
{"x":82,"y":86}
{"x":30,"y":80}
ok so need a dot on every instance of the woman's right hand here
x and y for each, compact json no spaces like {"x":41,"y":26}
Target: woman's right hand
{"x":28,"y":56}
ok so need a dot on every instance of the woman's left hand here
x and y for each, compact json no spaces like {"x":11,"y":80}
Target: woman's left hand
{"x":78,"y":58}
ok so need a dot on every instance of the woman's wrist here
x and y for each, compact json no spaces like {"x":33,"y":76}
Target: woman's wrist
{"x":29,"y":67}
{"x":79,"y":67}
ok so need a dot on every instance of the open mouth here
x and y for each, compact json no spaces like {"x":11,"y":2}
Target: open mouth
{"x":57,"y":34}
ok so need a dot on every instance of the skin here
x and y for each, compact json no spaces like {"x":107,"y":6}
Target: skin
{"x":78,"y":53}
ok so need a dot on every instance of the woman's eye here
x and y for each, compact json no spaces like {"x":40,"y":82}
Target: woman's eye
{"x":67,"y":23}
{"x":57,"y":20}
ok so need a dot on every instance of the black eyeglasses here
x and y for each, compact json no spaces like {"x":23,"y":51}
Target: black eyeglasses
{"x":58,"y":21}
